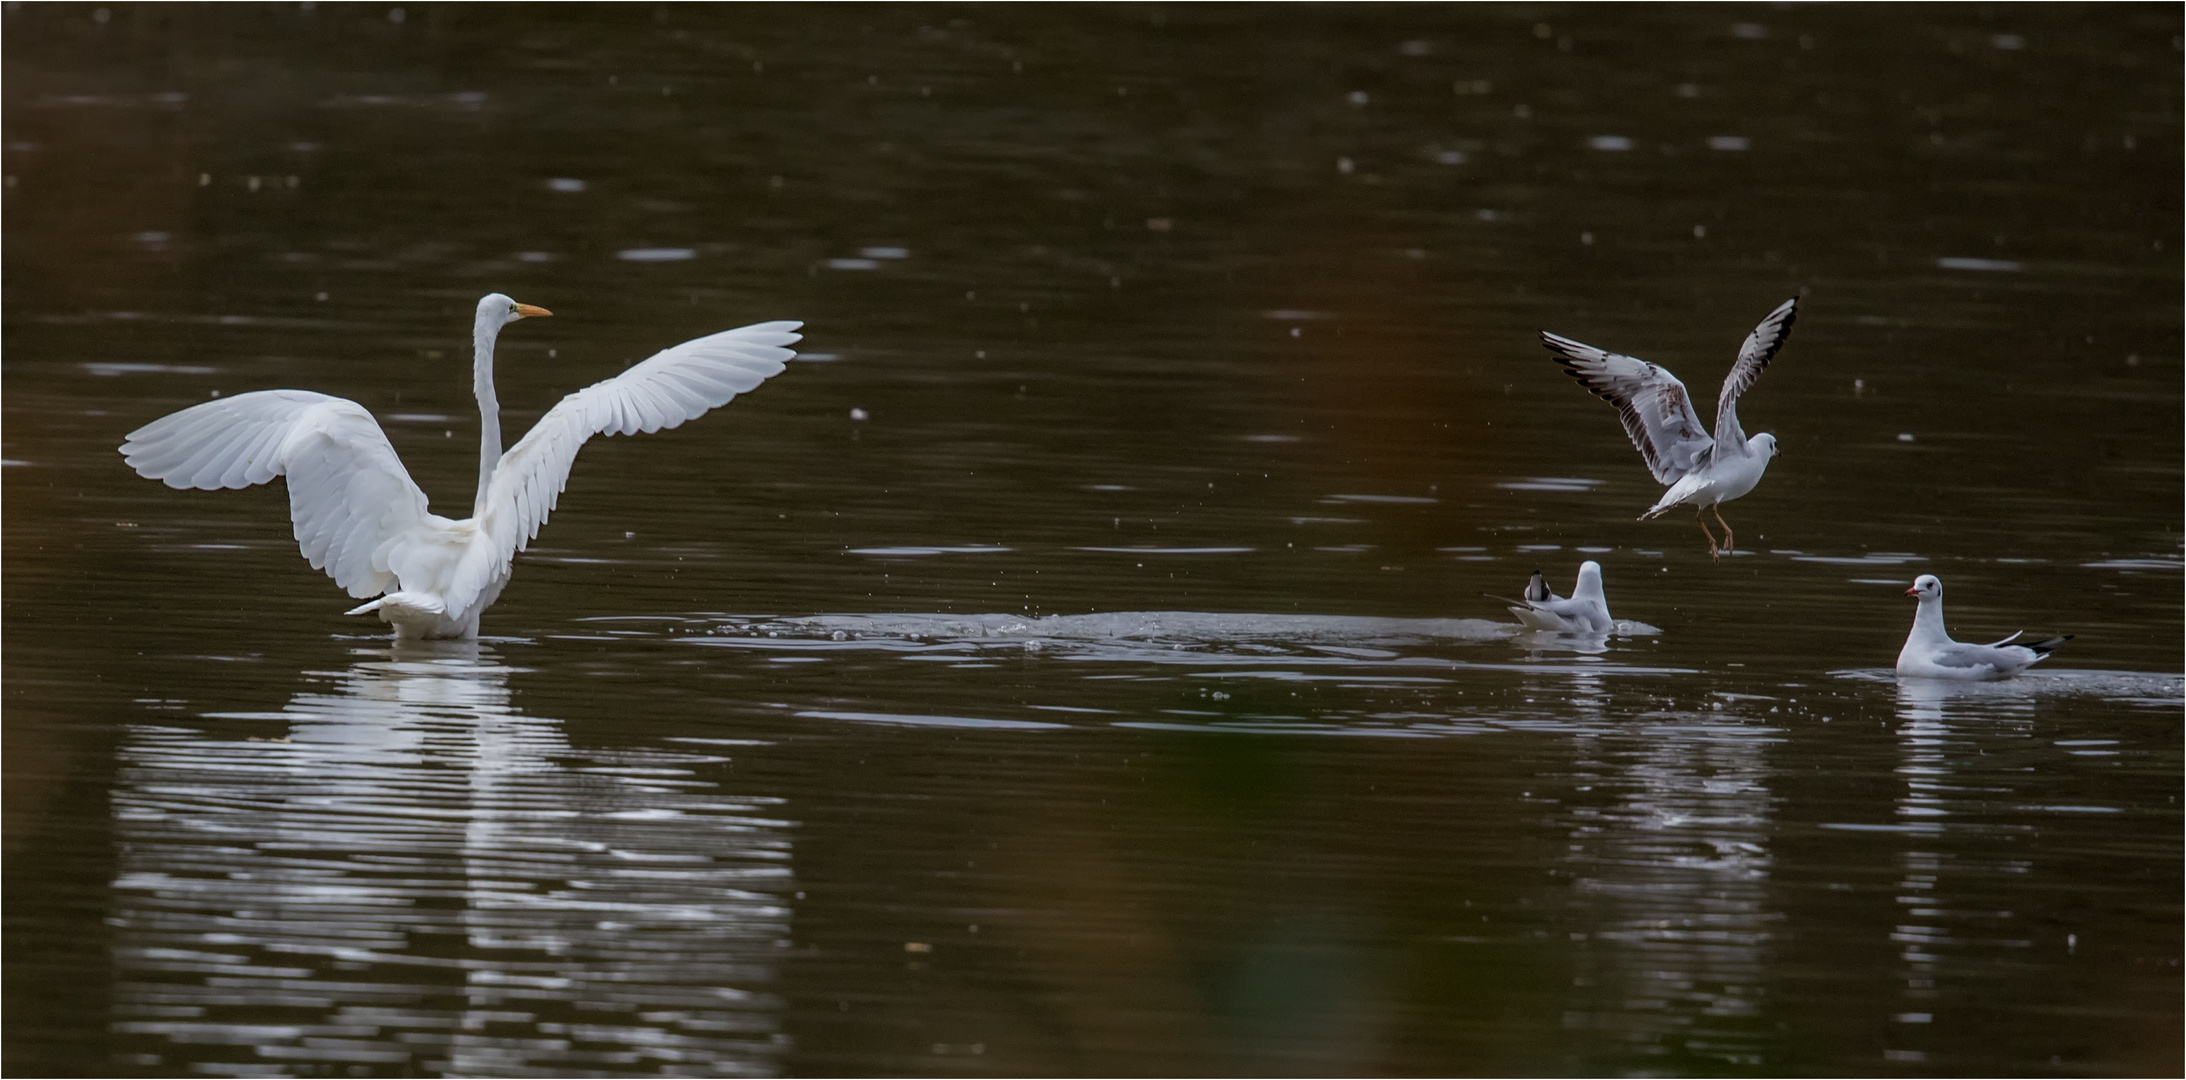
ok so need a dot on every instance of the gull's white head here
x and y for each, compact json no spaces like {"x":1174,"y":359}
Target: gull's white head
{"x":1590,"y":581}
{"x":496,"y":311}
{"x":1765,"y":443}
{"x":1926,"y":587}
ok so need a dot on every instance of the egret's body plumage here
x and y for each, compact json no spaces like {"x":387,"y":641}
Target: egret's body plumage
{"x":358,"y":515}
{"x":1703,"y":471}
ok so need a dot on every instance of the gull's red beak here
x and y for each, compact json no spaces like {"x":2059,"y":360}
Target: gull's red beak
{"x":1914,"y":591}
{"x":531,"y":311}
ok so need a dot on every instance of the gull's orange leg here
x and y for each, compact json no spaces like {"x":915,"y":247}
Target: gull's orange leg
{"x":1703,"y":522}
{"x":1728,"y":545}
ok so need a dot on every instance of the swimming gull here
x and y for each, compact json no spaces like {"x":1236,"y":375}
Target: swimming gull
{"x":1586,"y":612}
{"x":1930,"y":653}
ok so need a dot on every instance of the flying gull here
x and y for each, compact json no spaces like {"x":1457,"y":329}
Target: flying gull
{"x":1702,"y":472}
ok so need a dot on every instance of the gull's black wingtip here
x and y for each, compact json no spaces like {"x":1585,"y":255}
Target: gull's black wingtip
{"x":2044,"y":648}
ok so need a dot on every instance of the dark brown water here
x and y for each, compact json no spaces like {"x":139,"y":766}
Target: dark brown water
{"x":1116,"y":696}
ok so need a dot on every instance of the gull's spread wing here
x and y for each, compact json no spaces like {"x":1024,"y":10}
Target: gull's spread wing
{"x":354,"y":506}
{"x":1656,"y":412}
{"x":1753,"y":359}
{"x":675,"y":385}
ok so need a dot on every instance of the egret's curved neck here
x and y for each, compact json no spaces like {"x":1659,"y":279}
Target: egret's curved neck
{"x":489,"y":408}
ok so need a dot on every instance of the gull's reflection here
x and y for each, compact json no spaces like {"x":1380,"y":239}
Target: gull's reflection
{"x":1537,"y":643}
{"x":420,"y":878}
{"x":1674,"y":869}
{"x":1924,"y":930}
{"x":1922,"y":737}
{"x":1926,"y":766}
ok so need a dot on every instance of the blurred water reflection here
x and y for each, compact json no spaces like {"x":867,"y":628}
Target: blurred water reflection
{"x":406,"y":871}
{"x":1674,"y":869}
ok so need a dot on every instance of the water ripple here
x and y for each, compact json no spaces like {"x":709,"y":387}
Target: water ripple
{"x":447,"y":885}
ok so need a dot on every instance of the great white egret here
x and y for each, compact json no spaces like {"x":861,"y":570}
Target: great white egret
{"x":1702,"y":472}
{"x":360,"y":517}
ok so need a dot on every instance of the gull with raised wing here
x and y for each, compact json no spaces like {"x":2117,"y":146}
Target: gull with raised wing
{"x":1929,"y":652}
{"x":1585,"y":612}
{"x":1703,"y":472}
{"x":360,"y":517}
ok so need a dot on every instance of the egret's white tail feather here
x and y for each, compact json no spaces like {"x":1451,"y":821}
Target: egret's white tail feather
{"x":396,"y":603}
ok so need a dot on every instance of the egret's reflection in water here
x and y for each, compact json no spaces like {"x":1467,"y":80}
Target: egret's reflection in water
{"x":423,"y":879}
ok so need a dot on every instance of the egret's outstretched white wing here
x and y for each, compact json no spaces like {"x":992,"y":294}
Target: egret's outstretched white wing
{"x":1653,"y":404}
{"x":1753,"y":359}
{"x":675,"y":385}
{"x":354,"y":506}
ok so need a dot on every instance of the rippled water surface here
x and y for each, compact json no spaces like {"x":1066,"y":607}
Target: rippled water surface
{"x":1078,"y":663}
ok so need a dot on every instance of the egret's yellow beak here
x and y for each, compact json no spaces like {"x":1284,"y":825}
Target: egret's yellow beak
{"x":531,"y":311}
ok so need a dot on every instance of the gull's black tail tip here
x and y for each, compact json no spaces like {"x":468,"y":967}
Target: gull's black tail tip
{"x":2044,"y":648}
